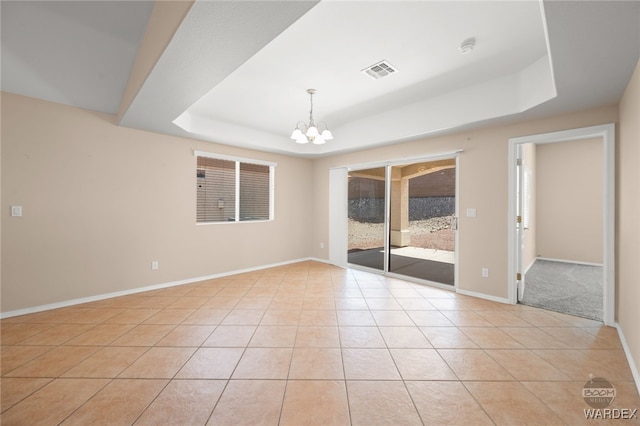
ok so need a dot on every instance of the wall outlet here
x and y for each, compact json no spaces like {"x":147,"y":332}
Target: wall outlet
{"x":16,"y":211}
{"x":485,"y":272}
{"x":321,"y":245}
{"x":155,"y":265}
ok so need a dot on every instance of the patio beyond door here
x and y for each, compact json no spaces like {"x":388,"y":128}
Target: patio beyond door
{"x":402,"y":219}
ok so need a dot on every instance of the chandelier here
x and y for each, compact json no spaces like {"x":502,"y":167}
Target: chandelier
{"x":305,"y":133}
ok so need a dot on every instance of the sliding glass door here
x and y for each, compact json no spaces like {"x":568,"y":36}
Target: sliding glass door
{"x":366,"y":212}
{"x":401,"y":219}
{"x":422,"y":221}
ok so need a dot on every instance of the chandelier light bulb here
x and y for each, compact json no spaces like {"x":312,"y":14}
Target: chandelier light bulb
{"x":326,"y":135}
{"x":297,"y":134}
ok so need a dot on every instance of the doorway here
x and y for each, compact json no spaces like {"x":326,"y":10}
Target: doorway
{"x":560,"y":203}
{"x":402,"y":220}
{"x":540,"y":240}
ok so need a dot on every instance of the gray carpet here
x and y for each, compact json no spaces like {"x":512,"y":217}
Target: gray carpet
{"x":565,"y":287}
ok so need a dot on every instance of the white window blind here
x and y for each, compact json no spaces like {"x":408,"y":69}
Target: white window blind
{"x":216,"y":191}
{"x":231,"y":190}
{"x":254,"y":192}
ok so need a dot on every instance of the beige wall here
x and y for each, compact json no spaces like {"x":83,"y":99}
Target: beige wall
{"x":483,"y":185}
{"x":628,"y":223}
{"x":102,"y":201}
{"x":569,"y":201}
{"x":529,"y":163}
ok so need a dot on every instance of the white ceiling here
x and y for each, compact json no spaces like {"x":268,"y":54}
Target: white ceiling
{"x":236,"y":72}
{"x":73,"y":52}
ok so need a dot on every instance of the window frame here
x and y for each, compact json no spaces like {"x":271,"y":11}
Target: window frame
{"x":238,"y":160}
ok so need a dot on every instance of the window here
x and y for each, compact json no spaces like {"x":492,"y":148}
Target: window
{"x":233,"y":189}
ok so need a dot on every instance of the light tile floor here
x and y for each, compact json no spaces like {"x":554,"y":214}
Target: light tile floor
{"x":306,"y":343}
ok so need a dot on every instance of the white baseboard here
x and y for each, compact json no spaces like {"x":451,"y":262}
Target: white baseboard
{"x":317,"y":259}
{"x":484,"y":296}
{"x":530,"y":265}
{"x":569,"y":261}
{"x":72,"y":302}
{"x":627,"y":351}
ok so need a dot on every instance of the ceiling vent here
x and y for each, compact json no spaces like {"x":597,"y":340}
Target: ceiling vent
{"x":379,"y":70}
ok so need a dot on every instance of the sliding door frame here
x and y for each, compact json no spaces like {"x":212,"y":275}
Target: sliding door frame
{"x":338,"y":213}
{"x":338,"y":230}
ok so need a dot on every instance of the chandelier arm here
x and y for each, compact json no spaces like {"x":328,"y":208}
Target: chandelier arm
{"x":302,"y":128}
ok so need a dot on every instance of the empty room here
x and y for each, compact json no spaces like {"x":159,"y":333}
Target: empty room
{"x":319,"y":212}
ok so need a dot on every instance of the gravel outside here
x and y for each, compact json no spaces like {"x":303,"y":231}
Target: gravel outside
{"x":434,"y":233}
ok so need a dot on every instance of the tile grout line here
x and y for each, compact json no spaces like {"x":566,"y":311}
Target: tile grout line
{"x":344,"y":370}
{"x":604,"y":343}
{"x":228,"y":381}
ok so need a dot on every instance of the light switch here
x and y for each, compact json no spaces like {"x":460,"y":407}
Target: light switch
{"x":472,"y":213}
{"x":16,"y":211}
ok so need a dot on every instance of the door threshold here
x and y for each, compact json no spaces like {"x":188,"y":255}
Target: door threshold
{"x":403,"y":277}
